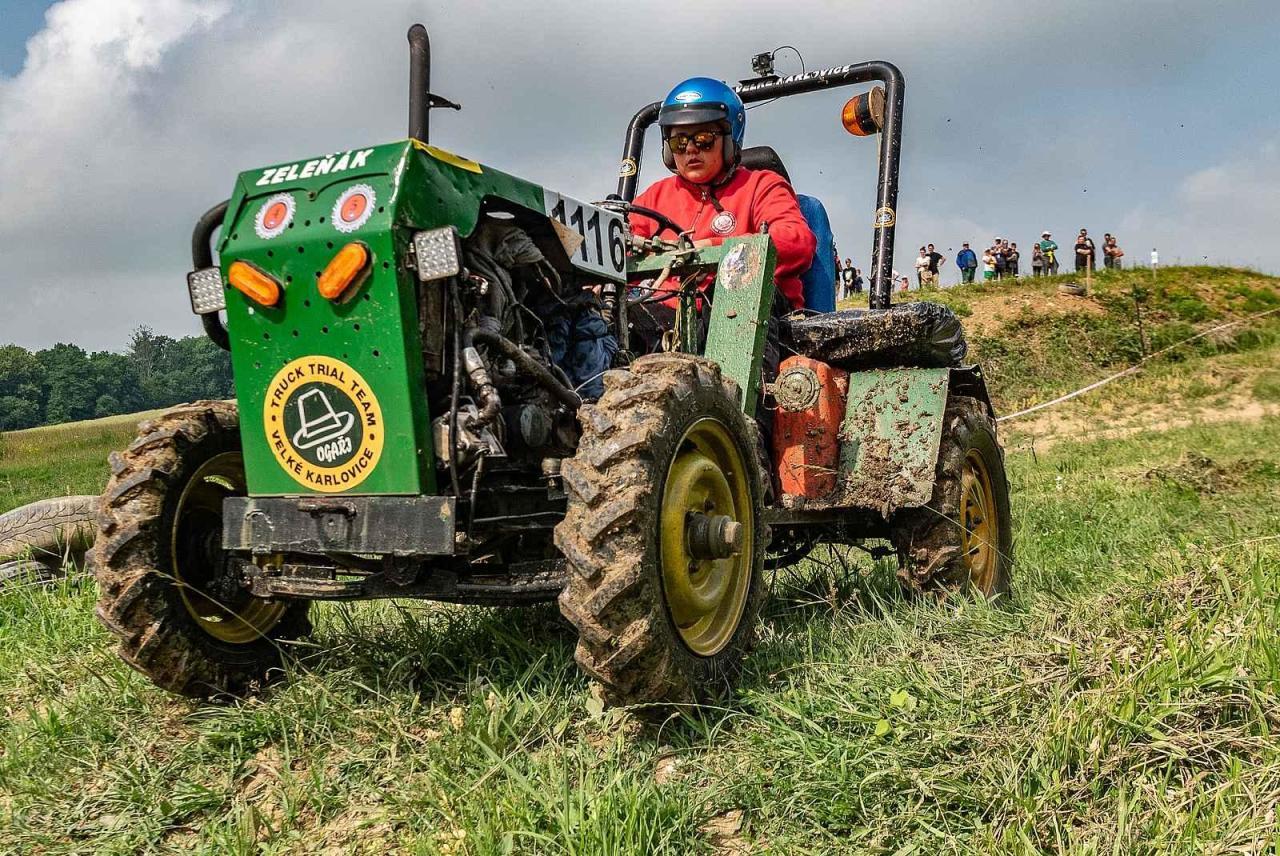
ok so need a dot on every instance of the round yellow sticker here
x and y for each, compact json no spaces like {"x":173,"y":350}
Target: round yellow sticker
{"x":323,"y":424}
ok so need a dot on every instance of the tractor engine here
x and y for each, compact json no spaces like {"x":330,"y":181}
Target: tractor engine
{"x":507,"y":397}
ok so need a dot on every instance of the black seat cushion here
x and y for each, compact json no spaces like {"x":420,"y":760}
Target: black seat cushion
{"x":914,"y":335}
{"x":764,"y":157}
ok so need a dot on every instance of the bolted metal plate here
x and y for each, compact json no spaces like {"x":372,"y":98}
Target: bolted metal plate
{"x":890,"y":437}
{"x":402,"y":526}
{"x":740,"y":314}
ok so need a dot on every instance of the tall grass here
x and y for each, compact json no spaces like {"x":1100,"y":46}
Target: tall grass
{"x":1124,"y":701}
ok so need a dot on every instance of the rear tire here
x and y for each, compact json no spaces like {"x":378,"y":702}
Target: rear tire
{"x":167,"y":591}
{"x":656,"y":625}
{"x":963,"y":539}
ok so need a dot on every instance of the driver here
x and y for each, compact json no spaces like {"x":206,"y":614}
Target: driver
{"x":703,"y":122}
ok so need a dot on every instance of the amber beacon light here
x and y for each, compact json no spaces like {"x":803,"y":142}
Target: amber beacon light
{"x":863,"y":115}
{"x":343,"y":270}
{"x":253,"y":283}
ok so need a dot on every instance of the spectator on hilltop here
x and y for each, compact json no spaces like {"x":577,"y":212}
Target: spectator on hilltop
{"x":1037,"y":261}
{"x":1012,"y":256}
{"x":1049,"y":248}
{"x":1086,"y":252}
{"x":922,"y":267}
{"x":846,"y":279}
{"x":1111,"y":251}
{"x":857,"y":280}
{"x":997,"y":249}
{"x":967,"y":261}
{"x":936,"y":261}
{"x":988,"y":264}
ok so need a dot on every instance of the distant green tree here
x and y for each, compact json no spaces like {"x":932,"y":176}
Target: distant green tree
{"x":107,"y":405}
{"x":183,"y":370}
{"x":147,"y":352}
{"x":114,"y":376}
{"x":17,"y":413}
{"x":22,"y":379}
{"x":63,"y":383}
{"x":72,"y":389}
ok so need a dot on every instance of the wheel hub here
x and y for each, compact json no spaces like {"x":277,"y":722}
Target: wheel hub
{"x":705,"y":529}
{"x":713,"y":537}
{"x":208,"y":582}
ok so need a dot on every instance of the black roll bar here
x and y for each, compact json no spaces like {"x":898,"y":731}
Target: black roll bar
{"x":201,"y":258}
{"x":814,"y":81}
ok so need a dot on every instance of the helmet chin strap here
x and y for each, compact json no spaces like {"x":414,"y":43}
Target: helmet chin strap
{"x":712,"y":186}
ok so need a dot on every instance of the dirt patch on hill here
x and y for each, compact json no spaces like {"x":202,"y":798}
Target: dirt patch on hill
{"x":1054,"y":426}
{"x":991,"y":314}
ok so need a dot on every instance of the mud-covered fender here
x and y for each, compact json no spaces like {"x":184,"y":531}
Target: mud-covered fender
{"x":892,"y":430}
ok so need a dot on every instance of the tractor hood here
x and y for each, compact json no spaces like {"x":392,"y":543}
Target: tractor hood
{"x":331,"y":391}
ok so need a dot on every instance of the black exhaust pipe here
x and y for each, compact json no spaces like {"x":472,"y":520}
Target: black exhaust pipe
{"x":419,"y":82}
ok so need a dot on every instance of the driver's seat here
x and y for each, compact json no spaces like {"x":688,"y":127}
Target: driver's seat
{"x":819,"y":280}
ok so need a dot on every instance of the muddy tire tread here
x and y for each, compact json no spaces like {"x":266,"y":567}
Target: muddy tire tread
{"x":926,"y":540}
{"x":627,"y":644}
{"x":138,"y":600}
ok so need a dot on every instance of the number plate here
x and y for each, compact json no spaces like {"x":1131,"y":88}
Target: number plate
{"x":603,"y":248}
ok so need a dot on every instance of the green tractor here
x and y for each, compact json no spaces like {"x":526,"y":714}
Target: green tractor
{"x":407,"y":424}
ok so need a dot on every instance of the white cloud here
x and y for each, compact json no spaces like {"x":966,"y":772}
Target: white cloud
{"x":1225,"y":213}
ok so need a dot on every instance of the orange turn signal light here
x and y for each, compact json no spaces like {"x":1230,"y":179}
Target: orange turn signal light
{"x":253,"y":283}
{"x":342,"y":270}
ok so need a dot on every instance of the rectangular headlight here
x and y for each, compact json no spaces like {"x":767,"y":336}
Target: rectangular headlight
{"x":207,"y":295}
{"x":439,"y":253}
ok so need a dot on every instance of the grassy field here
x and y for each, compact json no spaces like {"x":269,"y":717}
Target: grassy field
{"x":60,"y":460}
{"x":1125,"y":701}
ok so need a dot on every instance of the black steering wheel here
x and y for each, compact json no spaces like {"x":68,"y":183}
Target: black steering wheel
{"x":663,"y":221}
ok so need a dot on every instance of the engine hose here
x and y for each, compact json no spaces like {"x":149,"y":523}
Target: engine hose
{"x":478,"y":375}
{"x":455,"y":392}
{"x":525,"y":363}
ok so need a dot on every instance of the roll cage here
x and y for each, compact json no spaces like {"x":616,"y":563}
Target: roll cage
{"x":768,"y":88}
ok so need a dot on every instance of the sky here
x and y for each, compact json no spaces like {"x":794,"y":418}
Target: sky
{"x":121,"y":121}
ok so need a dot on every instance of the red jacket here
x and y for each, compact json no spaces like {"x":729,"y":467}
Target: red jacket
{"x":750,"y":199}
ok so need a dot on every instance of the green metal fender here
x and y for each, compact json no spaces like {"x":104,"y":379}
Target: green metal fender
{"x":892,"y":431}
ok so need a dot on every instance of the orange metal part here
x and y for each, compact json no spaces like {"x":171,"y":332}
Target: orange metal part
{"x":811,"y":399}
{"x":253,"y":283}
{"x":342,"y":270}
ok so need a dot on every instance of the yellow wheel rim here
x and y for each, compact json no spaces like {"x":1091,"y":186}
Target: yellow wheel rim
{"x":980,"y":522}
{"x":705,"y":596}
{"x":196,"y":555}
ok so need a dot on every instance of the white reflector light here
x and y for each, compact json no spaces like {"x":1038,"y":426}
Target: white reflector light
{"x":206,"y":290}
{"x":439,"y":253}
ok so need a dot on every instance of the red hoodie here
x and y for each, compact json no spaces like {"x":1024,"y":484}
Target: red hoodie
{"x":747,"y":201}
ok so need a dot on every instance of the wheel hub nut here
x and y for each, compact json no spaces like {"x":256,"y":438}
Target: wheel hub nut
{"x":714,"y":536}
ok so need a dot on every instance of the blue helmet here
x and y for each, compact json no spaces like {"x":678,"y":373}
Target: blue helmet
{"x":703,"y":99}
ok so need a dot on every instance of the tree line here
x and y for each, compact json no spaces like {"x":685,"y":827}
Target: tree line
{"x":65,"y":383}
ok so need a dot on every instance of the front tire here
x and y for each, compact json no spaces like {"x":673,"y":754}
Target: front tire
{"x":167,"y":590}
{"x":963,"y":539}
{"x":663,"y":615}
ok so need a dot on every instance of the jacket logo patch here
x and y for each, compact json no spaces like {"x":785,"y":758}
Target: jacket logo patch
{"x":724,"y":223}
